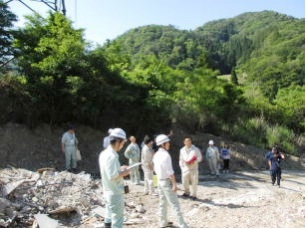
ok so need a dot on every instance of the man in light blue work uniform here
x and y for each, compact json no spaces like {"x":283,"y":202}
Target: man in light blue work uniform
{"x":112,"y":179}
{"x":132,"y":153}
{"x":166,"y":182}
{"x":69,"y":147}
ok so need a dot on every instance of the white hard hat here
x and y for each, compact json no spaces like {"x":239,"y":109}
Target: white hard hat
{"x":161,"y":139}
{"x":118,"y":133}
{"x":211,"y":142}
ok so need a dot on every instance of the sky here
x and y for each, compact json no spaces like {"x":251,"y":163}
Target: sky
{"x":108,"y":19}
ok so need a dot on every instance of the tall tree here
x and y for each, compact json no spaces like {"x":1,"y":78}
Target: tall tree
{"x":51,"y":56}
{"x":7,"y":18}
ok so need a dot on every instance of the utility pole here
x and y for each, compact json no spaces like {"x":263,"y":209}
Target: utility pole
{"x":56,"y":5}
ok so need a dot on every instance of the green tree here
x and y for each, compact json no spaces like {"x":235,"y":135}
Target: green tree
{"x":51,"y":56}
{"x":290,"y":103}
{"x":6,"y":35}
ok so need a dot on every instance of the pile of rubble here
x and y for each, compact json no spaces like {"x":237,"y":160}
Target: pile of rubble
{"x":47,"y":198}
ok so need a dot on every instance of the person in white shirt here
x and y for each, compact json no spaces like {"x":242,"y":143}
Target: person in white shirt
{"x":190,"y":156}
{"x":132,"y":153}
{"x":213,"y":156}
{"x":167,"y":186}
{"x":112,"y":179}
{"x":147,"y":154}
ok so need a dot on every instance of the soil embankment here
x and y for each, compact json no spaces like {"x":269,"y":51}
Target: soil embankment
{"x":39,"y":148}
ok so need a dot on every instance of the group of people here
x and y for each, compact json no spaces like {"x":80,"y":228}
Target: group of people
{"x":112,"y":174}
{"x":155,"y":158}
{"x":213,"y":157}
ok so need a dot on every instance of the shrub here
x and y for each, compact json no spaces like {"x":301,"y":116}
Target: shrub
{"x":283,"y":137}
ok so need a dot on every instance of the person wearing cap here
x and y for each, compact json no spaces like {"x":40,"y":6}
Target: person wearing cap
{"x":112,"y":179}
{"x":167,"y":186}
{"x":147,"y":154}
{"x":189,"y":158}
{"x":106,"y":139}
{"x":132,"y":153}
{"x":69,"y":146}
{"x":212,"y":156}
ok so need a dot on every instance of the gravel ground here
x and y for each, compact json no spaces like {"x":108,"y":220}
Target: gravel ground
{"x":238,"y":200}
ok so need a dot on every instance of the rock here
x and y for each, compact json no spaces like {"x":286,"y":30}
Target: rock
{"x":140,"y":208}
{"x":4,"y":203}
{"x":44,"y":221}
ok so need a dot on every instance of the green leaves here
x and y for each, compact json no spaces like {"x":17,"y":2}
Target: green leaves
{"x":290,"y":103}
{"x":6,"y":35}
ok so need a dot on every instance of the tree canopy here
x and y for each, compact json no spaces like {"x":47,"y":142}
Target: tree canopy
{"x":7,"y":18}
{"x":154,"y":76}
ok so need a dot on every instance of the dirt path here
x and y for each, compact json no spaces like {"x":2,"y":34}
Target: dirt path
{"x":239,"y":199}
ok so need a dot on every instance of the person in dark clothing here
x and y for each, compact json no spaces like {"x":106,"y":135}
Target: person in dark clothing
{"x":275,"y":168}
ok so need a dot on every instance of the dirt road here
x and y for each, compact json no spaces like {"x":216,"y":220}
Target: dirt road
{"x":238,"y":200}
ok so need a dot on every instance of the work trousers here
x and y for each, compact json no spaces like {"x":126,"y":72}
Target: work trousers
{"x":114,"y":208}
{"x":148,"y":180}
{"x":70,"y":156}
{"x":276,"y":175}
{"x":190,"y":177}
{"x":168,"y":196}
{"x":226,"y":164}
{"x":213,"y":165}
{"x":134,"y":174}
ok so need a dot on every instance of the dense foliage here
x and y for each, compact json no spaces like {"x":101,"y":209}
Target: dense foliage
{"x":155,"y":76}
{"x":6,"y":35}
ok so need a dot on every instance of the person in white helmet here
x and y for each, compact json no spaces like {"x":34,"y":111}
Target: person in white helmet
{"x":106,"y":139}
{"x":112,"y":179}
{"x":132,"y":153}
{"x":212,"y":156}
{"x":190,"y":156}
{"x":166,"y":182}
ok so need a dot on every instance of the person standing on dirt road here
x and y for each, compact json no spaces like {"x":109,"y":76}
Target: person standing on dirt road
{"x":69,"y":147}
{"x":226,"y":156}
{"x":147,"y":154}
{"x":166,"y":182}
{"x":189,"y":158}
{"x":132,"y":153}
{"x":212,"y":156}
{"x":275,"y":166}
{"x":112,"y":179}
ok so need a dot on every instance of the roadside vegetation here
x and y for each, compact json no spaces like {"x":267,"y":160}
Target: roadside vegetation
{"x":156,"y":76}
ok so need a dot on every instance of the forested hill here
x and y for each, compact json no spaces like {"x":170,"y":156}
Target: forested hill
{"x":262,"y":51}
{"x":240,"y":78}
{"x":222,"y":44}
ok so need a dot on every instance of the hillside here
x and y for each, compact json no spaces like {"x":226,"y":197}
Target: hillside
{"x":223,"y":44}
